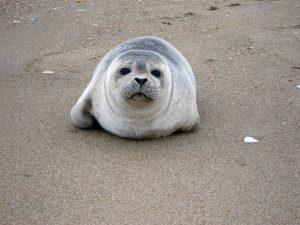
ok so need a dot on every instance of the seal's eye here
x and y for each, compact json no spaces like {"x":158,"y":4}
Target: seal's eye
{"x":125,"y":71}
{"x":155,"y":73}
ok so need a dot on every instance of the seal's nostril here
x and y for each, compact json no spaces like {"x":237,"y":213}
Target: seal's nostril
{"x":141,"y":81}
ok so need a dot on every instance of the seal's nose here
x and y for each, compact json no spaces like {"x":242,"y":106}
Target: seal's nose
{"x":141,"y":81}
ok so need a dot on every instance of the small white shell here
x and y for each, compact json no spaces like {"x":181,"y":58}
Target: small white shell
{"x":250,"y":140}
{"x":48,"y":72}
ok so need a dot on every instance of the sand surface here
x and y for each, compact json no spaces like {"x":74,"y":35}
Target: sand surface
{"x":246,"y":59}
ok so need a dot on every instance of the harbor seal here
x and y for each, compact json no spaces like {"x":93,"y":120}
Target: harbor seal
{"x":143,"y":88}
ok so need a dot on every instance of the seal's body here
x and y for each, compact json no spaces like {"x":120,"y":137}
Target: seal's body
{"x":143,"y":88}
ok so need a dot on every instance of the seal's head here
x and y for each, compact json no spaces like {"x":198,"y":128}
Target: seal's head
{"x":138,"y":80}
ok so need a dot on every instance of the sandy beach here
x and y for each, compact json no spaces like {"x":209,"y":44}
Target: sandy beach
{"x":246,"y":58}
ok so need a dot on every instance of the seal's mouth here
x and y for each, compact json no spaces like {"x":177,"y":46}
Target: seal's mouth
{"x":139,"y":96}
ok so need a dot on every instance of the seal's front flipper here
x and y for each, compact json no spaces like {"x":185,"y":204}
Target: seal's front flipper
{"x":80,"y":114}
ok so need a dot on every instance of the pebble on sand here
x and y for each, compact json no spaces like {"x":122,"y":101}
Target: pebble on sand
{"x":32,"y":18}
{"x":250,"y":140}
